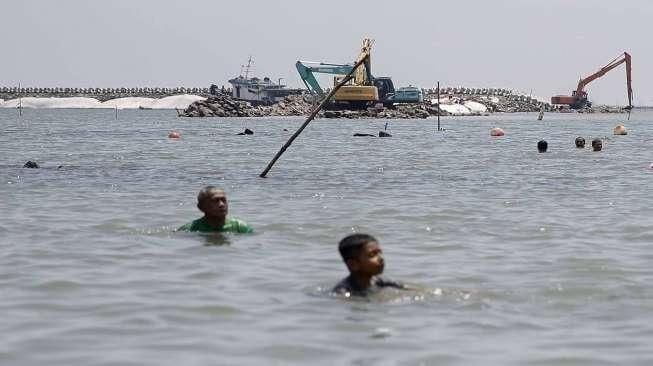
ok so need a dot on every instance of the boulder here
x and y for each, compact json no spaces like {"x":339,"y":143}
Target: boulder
{"x":205,"y":111}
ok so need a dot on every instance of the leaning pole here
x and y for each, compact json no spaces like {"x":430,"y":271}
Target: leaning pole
{"x":312,"y":115}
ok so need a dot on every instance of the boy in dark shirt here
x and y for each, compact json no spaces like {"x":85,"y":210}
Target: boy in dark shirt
{"x":364,"y":259}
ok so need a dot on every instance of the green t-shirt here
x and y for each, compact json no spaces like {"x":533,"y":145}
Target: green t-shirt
{"x":231,"y":225}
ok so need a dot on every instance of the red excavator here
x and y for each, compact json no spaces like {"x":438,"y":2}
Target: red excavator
{"x":578,"y":98}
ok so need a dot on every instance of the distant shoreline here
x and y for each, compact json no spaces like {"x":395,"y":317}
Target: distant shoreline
{"x":132,"y":102}
{"x":182,"y":98}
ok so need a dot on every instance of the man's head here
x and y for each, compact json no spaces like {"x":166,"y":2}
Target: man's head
{"x":362,"y":254}
{"x":542,"y":146}
{"x":580,"y":142}
{"x":213,"y":202}
{"x":597,"y":144}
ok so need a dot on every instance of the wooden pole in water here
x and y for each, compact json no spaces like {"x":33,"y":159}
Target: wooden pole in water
{"x":439,"y":106}
{"x":20,"y":102}
{"x":311,"y":116}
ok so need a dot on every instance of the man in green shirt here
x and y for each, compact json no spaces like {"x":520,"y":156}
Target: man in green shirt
{"x":213,"y":202}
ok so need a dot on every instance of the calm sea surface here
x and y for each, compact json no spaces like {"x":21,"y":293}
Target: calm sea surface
{"x":520,"y":258}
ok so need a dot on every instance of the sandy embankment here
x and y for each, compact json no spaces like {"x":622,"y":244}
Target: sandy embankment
{"x":172,"y":102}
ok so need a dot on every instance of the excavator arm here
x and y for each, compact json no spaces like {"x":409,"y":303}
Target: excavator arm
{"x":614,"y":63}
{"x":363,"y":75}
{"x":307,"y":69}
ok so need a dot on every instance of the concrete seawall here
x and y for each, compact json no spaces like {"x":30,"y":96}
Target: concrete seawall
{"x":101,"y":94}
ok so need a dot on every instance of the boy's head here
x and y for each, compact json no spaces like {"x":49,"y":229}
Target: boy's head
{"x":213,"y":202}
{"x":542,"y":146}
{"x":597,"y":144}
{"x":580,"y":142}
{"x":362,"y":254}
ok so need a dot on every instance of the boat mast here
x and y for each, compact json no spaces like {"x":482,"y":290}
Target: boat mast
{"x":249,"y":64}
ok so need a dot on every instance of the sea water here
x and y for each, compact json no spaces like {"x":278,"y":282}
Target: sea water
{"x":519,"y":258}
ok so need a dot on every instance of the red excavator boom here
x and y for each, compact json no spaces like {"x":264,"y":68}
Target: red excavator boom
{"x":578,"y":98}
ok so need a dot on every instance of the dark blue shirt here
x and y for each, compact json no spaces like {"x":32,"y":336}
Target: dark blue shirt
{"x":348,"y":285}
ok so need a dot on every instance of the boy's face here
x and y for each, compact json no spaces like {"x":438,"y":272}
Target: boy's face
{"x":370,"y":260}
{"x":597,"y":145}
{"x":215,"y":204}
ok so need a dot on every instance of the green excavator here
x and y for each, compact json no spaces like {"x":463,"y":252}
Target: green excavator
{"x":385,"y":90}
{"x":364,"y":89}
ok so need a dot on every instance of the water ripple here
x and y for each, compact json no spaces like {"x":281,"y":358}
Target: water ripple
{"x":515,"y":257}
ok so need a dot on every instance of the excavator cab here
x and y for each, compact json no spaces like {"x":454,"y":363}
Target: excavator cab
{"x":385,"y":87}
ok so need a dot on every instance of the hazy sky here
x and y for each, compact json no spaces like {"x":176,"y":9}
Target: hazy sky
{"x":544,"y":46}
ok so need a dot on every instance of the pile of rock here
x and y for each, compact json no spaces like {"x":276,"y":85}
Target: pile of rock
{"x":223,"y":105}
{"x":295,"y":105}
{"x":495,"y":100}
{"x":402,"y":111}
{"x":219,"y":106}
{"x":292,"y":105}
{"x":513,"y":103}
{"x":502,"y":102}
{"x":603,"y":109}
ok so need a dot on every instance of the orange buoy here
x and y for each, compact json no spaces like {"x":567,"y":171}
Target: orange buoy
{"x":496,"y":132}
{"x":174,"y":135}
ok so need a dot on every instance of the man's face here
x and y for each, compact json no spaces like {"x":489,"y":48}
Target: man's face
{"x":215,"y":204}
{"x":597,"y":145}
{"x":370,"y":261}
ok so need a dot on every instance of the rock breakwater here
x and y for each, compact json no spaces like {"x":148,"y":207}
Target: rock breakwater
{"x":294,"y":105}
{"x":453,"y":101}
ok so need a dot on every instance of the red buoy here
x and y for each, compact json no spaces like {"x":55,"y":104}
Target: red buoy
{"x":496,"y":132}
{"x":174,"y":135}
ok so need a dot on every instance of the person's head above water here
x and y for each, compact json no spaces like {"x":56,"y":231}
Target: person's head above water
{"x":580,"y":142}
{"x":364,"y":259}
{"x":542,"y":146}
{"x":213,"y":202}
{"x":597,"y":144}
{"x":362,"y":255}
